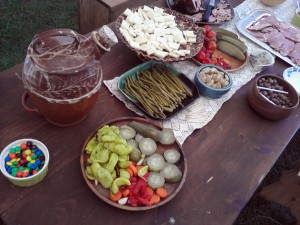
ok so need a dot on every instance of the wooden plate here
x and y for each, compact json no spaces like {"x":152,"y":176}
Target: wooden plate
{"x":234,"y":63}
{"x":103,"y":193}
{"x":183,"y":23}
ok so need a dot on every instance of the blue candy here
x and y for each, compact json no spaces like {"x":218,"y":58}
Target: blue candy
{"x":33,"y":166}
{"x":38,"y":162}
{"x":7,"y":159}
{"x":38,"y":152}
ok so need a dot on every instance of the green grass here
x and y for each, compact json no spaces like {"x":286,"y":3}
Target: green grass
{"x":20,"y":20}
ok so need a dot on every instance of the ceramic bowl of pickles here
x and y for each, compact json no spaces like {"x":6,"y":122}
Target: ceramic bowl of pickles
{"x":212,"y":81}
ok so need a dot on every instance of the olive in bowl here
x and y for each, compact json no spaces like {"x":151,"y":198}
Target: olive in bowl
{"x":212,"y":81}
{"x":272,"y":97}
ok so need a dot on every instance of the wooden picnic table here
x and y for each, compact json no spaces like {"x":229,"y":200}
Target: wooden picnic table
{"x":227,"y":159}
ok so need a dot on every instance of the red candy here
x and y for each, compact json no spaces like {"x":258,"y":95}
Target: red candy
{"x":24,"y":174}
{"x":19,"y":174}
{"x":34,"y":172}
{"x":12,"y":155}
{"x":23,"y":146}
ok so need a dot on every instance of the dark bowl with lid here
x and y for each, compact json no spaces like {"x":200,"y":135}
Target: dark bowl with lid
{"x":270,"y":104}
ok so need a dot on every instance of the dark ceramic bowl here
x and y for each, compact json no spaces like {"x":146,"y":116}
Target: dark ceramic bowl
{"x":208,"y":91}
{"x":266,"y":109}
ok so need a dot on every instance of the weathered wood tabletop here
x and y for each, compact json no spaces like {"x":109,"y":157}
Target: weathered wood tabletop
{"x":233,"y":152}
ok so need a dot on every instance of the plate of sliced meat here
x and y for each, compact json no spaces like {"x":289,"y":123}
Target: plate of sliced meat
{"x":279,"y":37}
{"x":211,"y":12}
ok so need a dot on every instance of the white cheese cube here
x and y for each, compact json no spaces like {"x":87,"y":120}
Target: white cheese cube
{"x":173,"y":24}
{"x":175,"y":31}
{"x":174,"y":46}
{"x":151,"y":37}
{"x":169,"y":17}
{"x":159,"y":19}
{"x":146,"y":47}
{"x":131,"y":19}
{"x":151,"y":28}
{"x":170,"y":38}
{"x":150,"y":51}
{"x":140,"y":12}
{"x":125,"y":24}
{"x":174,"y":55}
{"x":166,"y":47}
{"x":178,"y":52}
{"x":150,"y":14}
{"x":160,"y":25}
{"x":159,"y":10}
{"x":192,"y":40}
{"x":145,"y":16}
{"x":160,"y":54}
{"x":132,"y":32}
{"x":182,"y":41}
{"x":188,"y":33}
{"x":178,"y":37}
{"x":141,"y":40}
{"x":161,"y":39}
{"x":160,"y":31}
{"x":134,"y":45}
{"x":186,"y":51}
{"x":127,"y":12}
{"x":160,"y":48}
{"x":154,"y":43}
{"x":147,"y":8}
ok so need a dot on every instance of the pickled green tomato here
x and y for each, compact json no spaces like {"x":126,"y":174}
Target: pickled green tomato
{"x":107,"y":149}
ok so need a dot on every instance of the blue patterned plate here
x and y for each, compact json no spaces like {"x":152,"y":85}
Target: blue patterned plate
{"x":292,"y":75}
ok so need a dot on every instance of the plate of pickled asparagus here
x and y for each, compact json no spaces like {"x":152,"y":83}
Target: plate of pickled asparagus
{"x":133,"y":163}
{"x":158,"y":89}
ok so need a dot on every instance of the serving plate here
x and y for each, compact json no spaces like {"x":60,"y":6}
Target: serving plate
{"x":243,"y":24}
{"x":292,"y":75}
{"x":185,"y":80}
{"x":234,"y":63}
{"x":183,"y":23}
{"x":195,"y":17}
{"x":103,"y":193}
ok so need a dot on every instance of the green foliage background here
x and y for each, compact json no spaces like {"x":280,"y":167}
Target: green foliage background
{"x":20,"y":20}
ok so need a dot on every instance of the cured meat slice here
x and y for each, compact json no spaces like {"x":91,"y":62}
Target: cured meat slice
{"x":287,"y":47}
{"x":291,"y":33}
{"x":259,"y":35}
{"x":295,"y":54}
{"x":267,"y":21}
{"x":259,"y":26}
{"x":275,"y":39}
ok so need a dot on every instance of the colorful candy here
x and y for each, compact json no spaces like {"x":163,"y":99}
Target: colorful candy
{"x":24,"y":160}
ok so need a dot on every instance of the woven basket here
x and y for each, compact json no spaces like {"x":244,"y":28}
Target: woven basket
{"x":272,"y":2}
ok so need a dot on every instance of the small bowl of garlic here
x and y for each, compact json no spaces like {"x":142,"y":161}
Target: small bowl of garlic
{"x":212,"y":81}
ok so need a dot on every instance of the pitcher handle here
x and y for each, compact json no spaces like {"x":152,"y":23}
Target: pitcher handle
{"x":25,"y":97}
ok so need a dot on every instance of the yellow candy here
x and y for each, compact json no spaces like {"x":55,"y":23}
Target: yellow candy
{"x":27,"y":152}
{"x":32,"y":161}
{"x":13,"y":160}
{"x":9,"y":163}
{"x":28,"y":158}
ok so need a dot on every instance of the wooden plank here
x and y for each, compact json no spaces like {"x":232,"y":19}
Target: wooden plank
{"x":92,"y":15}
